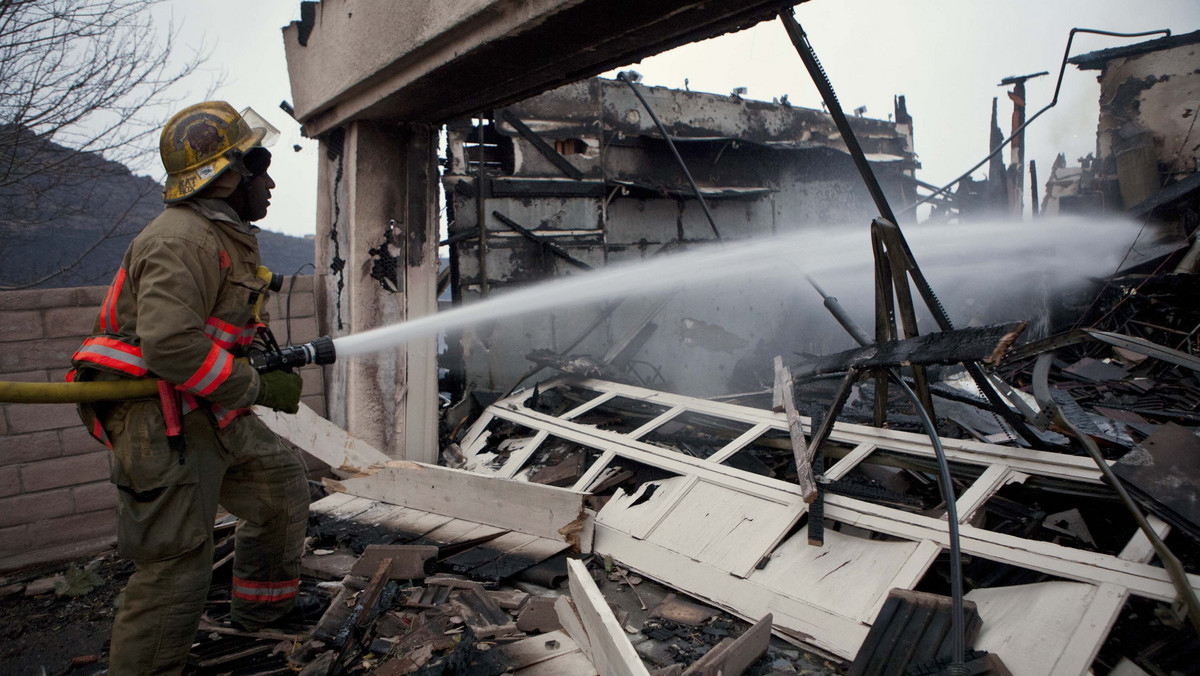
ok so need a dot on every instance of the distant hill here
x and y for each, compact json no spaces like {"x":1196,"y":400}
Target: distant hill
{"x":89,"y":203}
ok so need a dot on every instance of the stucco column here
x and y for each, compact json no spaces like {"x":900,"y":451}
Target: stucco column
{"x":372,"y":173}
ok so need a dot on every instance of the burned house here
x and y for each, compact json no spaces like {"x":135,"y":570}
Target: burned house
{"x":981,"y":525}
{"x":579,"y":177}
{"x":1146,"y":155}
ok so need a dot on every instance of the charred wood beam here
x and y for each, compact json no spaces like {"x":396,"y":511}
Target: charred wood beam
{"x":545,"y":244}
{"x":542,"y":147}
{"x":822,"y":426}
{"x":987,"y":344}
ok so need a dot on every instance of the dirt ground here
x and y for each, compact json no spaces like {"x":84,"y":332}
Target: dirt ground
{"x":44,"y":634}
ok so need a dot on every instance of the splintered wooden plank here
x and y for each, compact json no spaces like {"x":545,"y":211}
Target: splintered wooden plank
{"x":748,"y":648}
{"x":511,"y":505}
{"x":801,"y":453}
{"x":612,"y":653}
{"x":725,"y":528}
{"x":322,"y":439}
{"x":639,"y":512}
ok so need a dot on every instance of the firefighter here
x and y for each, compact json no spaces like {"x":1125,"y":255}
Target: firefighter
{"x":181,"y":310}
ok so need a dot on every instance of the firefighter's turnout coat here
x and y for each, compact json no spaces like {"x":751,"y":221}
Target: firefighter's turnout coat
{"x":180,"y":309}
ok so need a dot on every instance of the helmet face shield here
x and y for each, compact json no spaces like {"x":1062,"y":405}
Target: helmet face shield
{"x":256,"y":121}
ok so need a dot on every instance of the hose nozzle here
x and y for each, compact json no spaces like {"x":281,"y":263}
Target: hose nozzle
{"x":319,"y":351}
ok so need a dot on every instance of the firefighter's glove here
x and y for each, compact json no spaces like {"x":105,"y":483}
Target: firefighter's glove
{"x":280,"y":390}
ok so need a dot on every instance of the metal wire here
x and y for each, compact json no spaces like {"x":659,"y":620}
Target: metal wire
{"x":1057,"y":87}
{"x":671,"y":144}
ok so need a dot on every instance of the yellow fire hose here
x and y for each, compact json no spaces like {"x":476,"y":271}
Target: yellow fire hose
{"x":71,"y":393}
{"x":319,"y":351}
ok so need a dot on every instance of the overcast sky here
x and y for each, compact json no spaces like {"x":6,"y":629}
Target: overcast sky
{"x":945,"y":56}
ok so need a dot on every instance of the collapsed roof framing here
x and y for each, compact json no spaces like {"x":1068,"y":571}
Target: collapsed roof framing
{"x":722,"y":533}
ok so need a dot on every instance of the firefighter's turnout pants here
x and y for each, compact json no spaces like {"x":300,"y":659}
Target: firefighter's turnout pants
{"x":168,"y":503}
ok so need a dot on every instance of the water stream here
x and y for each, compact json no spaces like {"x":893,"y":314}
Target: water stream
{"x":988,"y":258}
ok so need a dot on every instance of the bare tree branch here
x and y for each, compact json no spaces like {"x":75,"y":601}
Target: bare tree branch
{"x":81,"y":82}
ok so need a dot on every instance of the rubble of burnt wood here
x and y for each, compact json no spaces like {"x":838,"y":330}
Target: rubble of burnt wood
{"x":396,"y":610}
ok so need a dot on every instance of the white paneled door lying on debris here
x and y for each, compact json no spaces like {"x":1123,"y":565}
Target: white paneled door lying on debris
{"x":711,"y":528}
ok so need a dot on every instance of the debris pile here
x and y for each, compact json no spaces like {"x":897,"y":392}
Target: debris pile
{"x":392,"y":613}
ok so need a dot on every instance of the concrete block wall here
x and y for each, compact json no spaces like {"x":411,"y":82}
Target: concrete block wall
{"x":55,"y":498}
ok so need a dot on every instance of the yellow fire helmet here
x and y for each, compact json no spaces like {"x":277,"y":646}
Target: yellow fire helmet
{"x":200,"y":142}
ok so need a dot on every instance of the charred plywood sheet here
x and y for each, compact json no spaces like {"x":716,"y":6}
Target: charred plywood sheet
{"x":1162,"y":473}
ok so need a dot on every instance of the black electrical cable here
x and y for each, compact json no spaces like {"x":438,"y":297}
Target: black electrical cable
{"x":1057,"y":87}
{"x":958,"y":643}
{"x":956,"y":591}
